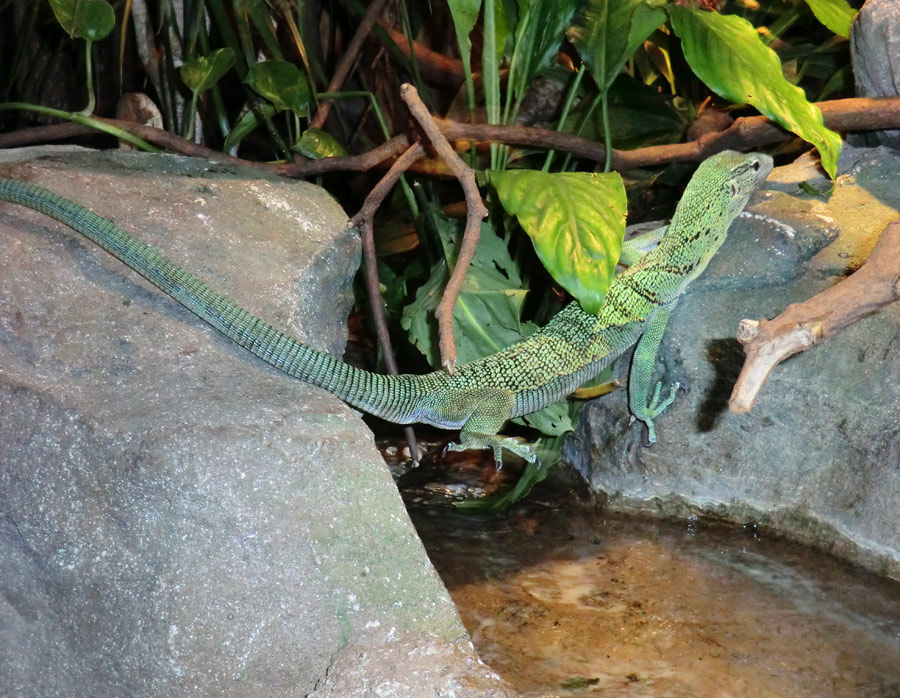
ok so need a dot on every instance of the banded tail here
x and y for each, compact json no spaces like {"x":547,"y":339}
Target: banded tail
{"x":390,"y":397}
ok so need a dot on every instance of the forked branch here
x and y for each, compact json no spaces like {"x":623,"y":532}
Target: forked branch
{"x":802,"y":325}
{"x":477,"y":211}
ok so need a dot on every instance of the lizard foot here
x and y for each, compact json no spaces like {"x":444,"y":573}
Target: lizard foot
{"x":657,"y":407}
{"x":473,"y":440}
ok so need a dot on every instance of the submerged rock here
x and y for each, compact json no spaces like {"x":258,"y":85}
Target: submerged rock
{"x":179,"y":519}
{"x":818,"y":457}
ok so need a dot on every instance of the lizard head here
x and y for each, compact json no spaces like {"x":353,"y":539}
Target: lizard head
{"x":733,"y":177}
{"x":715,"y":196}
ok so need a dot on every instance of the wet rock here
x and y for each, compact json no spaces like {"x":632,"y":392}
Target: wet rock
{"x":817,"y":458}
{"x":179,"y":519}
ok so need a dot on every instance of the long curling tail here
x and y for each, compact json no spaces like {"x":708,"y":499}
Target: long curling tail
{"x":389,"y":397}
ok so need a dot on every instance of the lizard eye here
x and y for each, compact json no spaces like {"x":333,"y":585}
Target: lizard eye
{"x":755,"y":165}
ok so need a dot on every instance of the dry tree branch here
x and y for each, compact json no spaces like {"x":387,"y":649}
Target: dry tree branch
{"x":156,"y":136}
{"x":856,"y":114}
{"x":365,"y":221}
{"x":347,"y":60}
{"x":802,"y":325}
{"x":435,"y":67}
{"x":477,"y":211}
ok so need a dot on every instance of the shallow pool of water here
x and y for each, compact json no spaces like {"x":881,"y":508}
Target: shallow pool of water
{"x":589,"y":605}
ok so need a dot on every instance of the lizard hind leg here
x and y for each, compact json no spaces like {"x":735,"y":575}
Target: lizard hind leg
{"x":492,"y":408}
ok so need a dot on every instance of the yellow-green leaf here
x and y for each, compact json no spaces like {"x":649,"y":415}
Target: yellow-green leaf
{"x":316,"y":144}
{"x":727,"y":54}
{"x":576,"y":221}
{"x":837,"y":15}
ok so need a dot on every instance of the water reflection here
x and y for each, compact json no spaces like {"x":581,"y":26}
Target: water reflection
{"x":564,"y":603}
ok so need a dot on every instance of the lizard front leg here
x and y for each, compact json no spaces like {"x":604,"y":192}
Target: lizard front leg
{"x":641,"y":377}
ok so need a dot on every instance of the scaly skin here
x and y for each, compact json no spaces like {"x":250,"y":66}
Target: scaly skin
{"x":479,"y":396}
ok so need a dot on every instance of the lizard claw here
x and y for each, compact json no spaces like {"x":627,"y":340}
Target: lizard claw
{"x":657,"y":407}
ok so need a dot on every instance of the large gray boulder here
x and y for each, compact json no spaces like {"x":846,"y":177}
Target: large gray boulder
{"x":177,"y":518}
{"x":818,"y":458}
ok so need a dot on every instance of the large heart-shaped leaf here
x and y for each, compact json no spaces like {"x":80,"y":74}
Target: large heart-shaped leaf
{"x":201,"y":73}
{"x":576,"y":221}
{"x":283,"y":84}
{"x":727,"y":54}
{"x":85,"y":19}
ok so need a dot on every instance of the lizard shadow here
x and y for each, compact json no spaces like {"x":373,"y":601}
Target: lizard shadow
{"x":726,"y":357}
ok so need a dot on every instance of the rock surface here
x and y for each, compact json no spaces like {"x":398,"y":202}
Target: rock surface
{"x":875,"y":52}
{"x":818,"y":458}
{"x":179,"y":519}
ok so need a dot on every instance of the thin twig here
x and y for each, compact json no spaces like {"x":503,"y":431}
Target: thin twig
{"x":365,"y":221}
{"x":476,"y":213}
{"x":347,"y":60}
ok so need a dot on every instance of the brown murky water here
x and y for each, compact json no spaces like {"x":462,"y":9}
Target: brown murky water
{"x":575,"y":605}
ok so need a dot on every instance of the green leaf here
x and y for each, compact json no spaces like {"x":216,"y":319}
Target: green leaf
{"x":283,"y":84}
{"x":605,"y":46}
{"x":317,"y":144}
{"x":85,"y":19}
{"x":539,"y":33}
{"x":248,"y":121}
{"x":487,"y":315}
{"x":576,"y":221}
{"x":639,"y":116}
{"x":553,"y":420}
{"x":837,"y":15}
{"x":465,"y":15}
{"x":201,"y":73}
{"x":727,"y":54}
{"x":549,"y":452}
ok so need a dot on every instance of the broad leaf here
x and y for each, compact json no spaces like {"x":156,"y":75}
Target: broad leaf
{"x":837,"y":15}
{"x":487,"y":315}
{"x":608,"y":32}
{"x":201,"y":73}
{"x":576,"y":221}
{"x":283,"y":84}
{"x":316,"y":144}
{"x":85,"y":19}
{"x":727,"y":54}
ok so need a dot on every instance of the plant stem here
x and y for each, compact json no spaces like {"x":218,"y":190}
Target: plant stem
{"x":79,"y":118}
